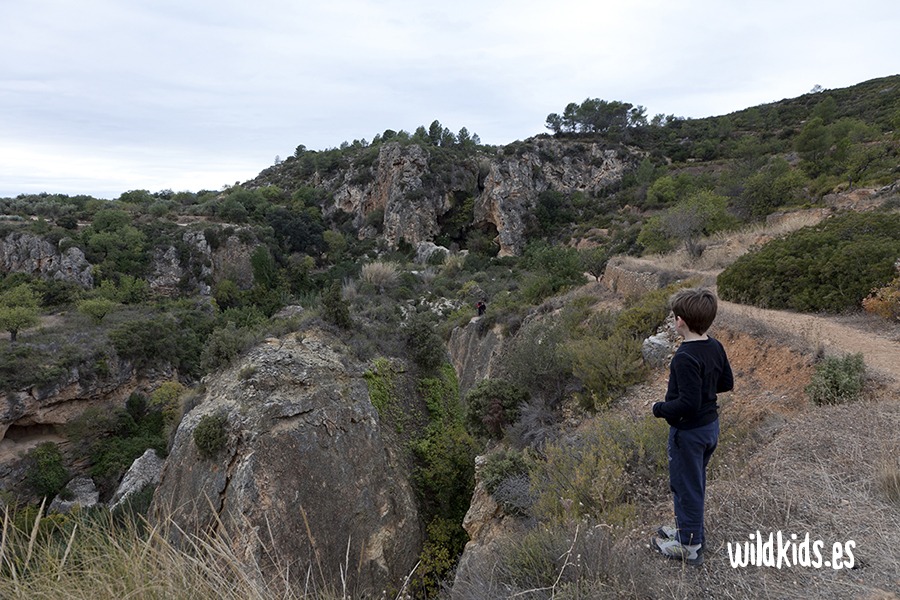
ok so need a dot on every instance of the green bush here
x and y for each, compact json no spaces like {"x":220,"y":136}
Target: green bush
{"x":606,"y":367}
{"x":553,"y":269}
{"x":210,"y":435}
{"x":425,"y":346}
{"x":334,"y":308}
{"x":534,"y":358}
{"x":828,"y":267}
{"x":46,"y":475}
{"x":110,"y":441}
{"x":600,"y":470}
{"x":444,"y":478}
{"x":492,"y":406}
{"x":224,"y":345}
{"x":647,"y":314}
{"x":837,"y":379}
{"x":505,"y":476}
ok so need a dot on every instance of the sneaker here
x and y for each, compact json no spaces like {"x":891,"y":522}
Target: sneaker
{"x":691,"y":554}
{"x":667,"y":532}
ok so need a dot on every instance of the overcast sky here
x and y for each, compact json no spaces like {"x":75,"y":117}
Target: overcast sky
{"x":104,"y":96}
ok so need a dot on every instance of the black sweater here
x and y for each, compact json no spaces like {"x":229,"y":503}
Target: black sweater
{"x":699,"y":370}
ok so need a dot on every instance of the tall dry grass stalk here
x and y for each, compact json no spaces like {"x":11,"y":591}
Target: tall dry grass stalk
{"x":380,"y":274}
{"x":98,"y":557}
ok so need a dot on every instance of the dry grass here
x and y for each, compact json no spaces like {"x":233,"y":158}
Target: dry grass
{"x":723,"y":248}
{"x":888,"y":479}
{"x":382,"y":275}
{"x":98,"y":557}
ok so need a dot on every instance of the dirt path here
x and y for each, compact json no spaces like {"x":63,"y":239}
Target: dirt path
{"x":881,"y":353}
{"x":878,"y":343}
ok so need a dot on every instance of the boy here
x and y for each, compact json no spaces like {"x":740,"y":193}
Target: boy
{"x":699,"y":370}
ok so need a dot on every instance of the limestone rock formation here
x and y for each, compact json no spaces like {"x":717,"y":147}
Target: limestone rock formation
{"x":24,"y":252}
{"x":475,"y":353}
{"x":658,"y":349}
{"x":197,"y":266}
{"x":144,"y":471}
{"x":515,"y":182}
{"x":416,"y":188}
{"x":80,"y":492}
{"x":60,"y":402}
{"x":304,"y":468}
{"x":488,"y":525}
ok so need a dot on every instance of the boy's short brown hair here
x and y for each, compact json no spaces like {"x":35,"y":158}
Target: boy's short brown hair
{"x":696,"y":306}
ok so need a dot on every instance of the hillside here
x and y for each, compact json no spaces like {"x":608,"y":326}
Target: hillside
{"x":299,"y":345}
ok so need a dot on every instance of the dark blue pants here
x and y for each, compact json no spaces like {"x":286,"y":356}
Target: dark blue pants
{"x":689,"y":453}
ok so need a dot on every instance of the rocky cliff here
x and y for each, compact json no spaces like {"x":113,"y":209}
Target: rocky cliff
{"x":475,"y":353}
{"x":305,"y":469}
{"x":23,"y":252}
{"x":196,"y":266}
{"x":417,"y":187}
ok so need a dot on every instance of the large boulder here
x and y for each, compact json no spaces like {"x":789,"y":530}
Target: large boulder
{"x":23,"y":252}
{"x":303,"y":472}
{"x":79,"y":492}
{"x":145,"y":470}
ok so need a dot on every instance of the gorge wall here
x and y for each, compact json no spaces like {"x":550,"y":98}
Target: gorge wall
{"x":416,"y":187}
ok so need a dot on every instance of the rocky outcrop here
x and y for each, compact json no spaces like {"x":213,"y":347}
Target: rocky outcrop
{"x":515,"y":181}
{"x":305,"y":469}
{"x":23,"y":252}
{"x":174,"y":272}
{"x":417,"y":186}
{"x":475,"y":353}
{"x":145,"y":470}
{"x":58,"y":403}
{"x":632,"y":277}
{"x":196,"y":266}
{"x":231,"y":260}
{"x":488,"y":525}
{"x":79,"y":492}
{"x":657,"y":350}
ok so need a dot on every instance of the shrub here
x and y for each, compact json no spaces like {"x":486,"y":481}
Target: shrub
{"x":505,"y":476}
{"x":644,"y":317}
{"x":444,"y":477}
{"x":166,"y":399}
{"x":423,"y":343}
{"x":831,"y":266}
{"x":334,"y":308}
{"x":146,"y":342}
{"x":96,"y":308}
{"x":888,"y":479}
{"x":554,"y":268}
{"x":605,"y":367}
{"x":19,"y":308}
{"x":885,"y":301}
{"x":535,"y":360}
{"x":224,"y":345}
{"x":210,"y":435}
{"x":492,"y":406}
{"x":112,"y":440}
{"x":382,"y":275}
{"x":837,"y":379}
{"x":597,"y":473}
{"x":46,"y":474}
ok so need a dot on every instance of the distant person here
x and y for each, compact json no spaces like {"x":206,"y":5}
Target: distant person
{"x":699,"y":370}
{"x":481,"y":306}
